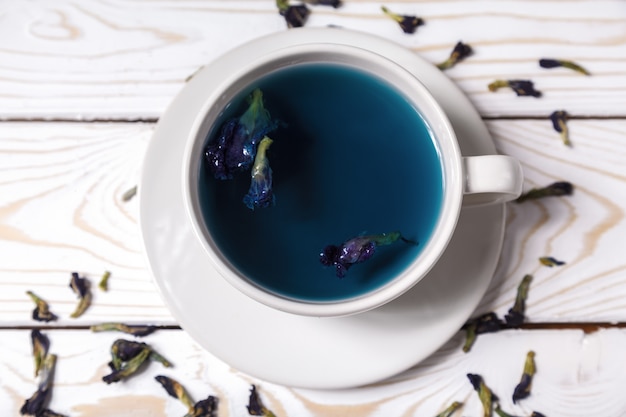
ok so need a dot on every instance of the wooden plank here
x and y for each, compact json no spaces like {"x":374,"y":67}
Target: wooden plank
{"x":577,"y":375}
{"x":127,"y":60}
{"x":61,"y":211}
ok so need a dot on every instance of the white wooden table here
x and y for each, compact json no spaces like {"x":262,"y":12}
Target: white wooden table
{"x":82,"y":85}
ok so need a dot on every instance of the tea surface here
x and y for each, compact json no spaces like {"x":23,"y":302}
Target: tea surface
{"x":350,"y":157}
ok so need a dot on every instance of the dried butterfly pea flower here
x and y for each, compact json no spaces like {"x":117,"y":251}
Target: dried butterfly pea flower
{"x":521,"y":87}
{"x":49,"y":413}
{"x":129,"y":194}
{"x":332,"y":3}
{"x":536,"y":414}
{"x":104,"y":281}
{"x":204,"y":408}
{"x":295,"y":16}
{"x":81,"y":287}
{"x":556,"y":189}
{"x":356,"y":250}
{"x":522,"y":390}
{"x":502,"y":413}
{"x":236,"y":146}
{"x":127,"y":357}
{"x":487,"y":398}
{"x":126,"y":369}
{"x":460,"y":52}
{"x":41,"y":344}
{"x":176,"y":390}
{"x":550,"y":261}
{"x":255,"y":406}
{"x":36,"y":403}
{"x":450,"y":410}
{"x":408,"y":24}
{"x":516,"y":314}
{"x":486,"y":323}
{"x":554,"y":63}
{"x":139,"y":331}
{"x":42,"y":310}
{"x":559,"y":119}
{"x":260,"y":194}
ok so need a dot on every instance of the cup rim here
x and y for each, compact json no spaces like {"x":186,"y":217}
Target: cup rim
{"x":435,"y":118}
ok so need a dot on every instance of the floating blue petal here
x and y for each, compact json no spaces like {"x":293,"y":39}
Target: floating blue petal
{"x":260,"y":194}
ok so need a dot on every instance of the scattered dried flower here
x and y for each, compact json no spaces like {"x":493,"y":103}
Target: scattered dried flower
{"x":460,"y":52}
{"x":176,"y":390}
{"x":556,"y":189}
{"x":35,"y":405}
{"x":295,"y":16}
{"x":486,"y":323}
{"x":450,"y":410}
{"x":517,"y":313}
{"x":81,"y":287}
{"x":42,"y":310}
{"x":127,"y":357}
{"x":522,"y":390}
{"x":487,"y":398}
{"x":139,"y":331}
{"x":128,"y":368}
{"x":235,"y":148}
{"x":559,"y":119}
{"x":554,"y":63}
{"x":104,"y":281}
{"x":204,"y":408}
{"x":129,"y":194}
{"x":408,"y":24}
{"x":41,"y":344}
{"x":502,"y":413}
{"x":356,"y":250}
{"x":536,"y":414}
{"x":521,"y":87}
{"x":49,"y":413}
{"x":260,"y":193}
{"x":332,"y":3}
{"x":255,"y":406}
{"x":550,"y":261}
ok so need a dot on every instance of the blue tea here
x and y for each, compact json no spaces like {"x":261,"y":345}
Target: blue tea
{"x":350,"y":156}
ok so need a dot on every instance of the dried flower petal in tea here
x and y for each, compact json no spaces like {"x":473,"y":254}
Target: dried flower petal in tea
{"x":41,"y":344}
{"x":460,"y":52}
{"x":559,"y":119}
{"x":42,"y":310}
{"x":260,"y":194}
{"x":486,"y":323}
{"x":450,"y":410}
{"x":522,"y":390}
{"x":36,"y":403}
{"x":139,"y":331}
{"x":104,"y":281}
{"x":295,"y":16}
{"x":554,"y":63}
{"x":176,"y":390}
{"x":81,"y":287}
{"x":408,"y":24}
{"x":487,"y":398}
{"x":356,"y":250}
{"x":556,"y":189}
{"x":550,"y":261}
{"x":255,"y":406}
{"x":521,"y":87}
{"x":516,"y":314}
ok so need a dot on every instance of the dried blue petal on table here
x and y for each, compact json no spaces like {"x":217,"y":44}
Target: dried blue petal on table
{"x":356,"y":250}
{"x":517,"y":313}
{"x":485,"y":323}
{"x":536,"y":414}
{"x":235,"y":148}
{"x":41,"y":344}
{"x":556,"y":189}
{"x":487,"y":398}
{"x":128,"y":368}
{"x":49,"y":413}
{"x":81,"y":287}
{"x":135,"y":330}
{"x":255,"y":406}
{"x":521,"y":87}
{"x":204,"y":408}
{"x":461,"y":51}
{"x":408,"y":23}
{"x":104,"y":281}
{"x":36,"y":404}
{"x":42,"y":309}
{"x":127,"y":357}
{"x":559,"y":122}
{"x":522,"y":390}
{"x":295,"y":16}
{"x":176,"y":390}
{"x":450,"y":410}
{"x":555,"y":63}
{"x":550,"y":261}
{"x":260,"y":194}
{"x":332,"y":3}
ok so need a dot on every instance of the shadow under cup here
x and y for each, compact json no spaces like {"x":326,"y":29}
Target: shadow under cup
{"x":351,"y":156}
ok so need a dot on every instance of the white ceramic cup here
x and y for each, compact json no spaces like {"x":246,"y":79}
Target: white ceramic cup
{"x":475,"y":180}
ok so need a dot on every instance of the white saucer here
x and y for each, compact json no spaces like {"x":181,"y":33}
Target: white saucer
{"x":300,"y":351}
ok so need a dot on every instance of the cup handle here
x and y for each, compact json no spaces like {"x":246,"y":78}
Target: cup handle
{"x":491,"y":179}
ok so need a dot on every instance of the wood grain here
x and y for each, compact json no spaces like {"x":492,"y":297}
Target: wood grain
{"x":127,"y":59}
{"x":577,"y":375}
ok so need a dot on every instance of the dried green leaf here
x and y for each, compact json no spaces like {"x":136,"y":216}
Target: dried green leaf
{"x":522,"y":390}
{"x":81,"y":287}
{"x":104,"y":281}
{"x":517,"y":313}
{"x":42,"y":310}
{"x":134,"y":330}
